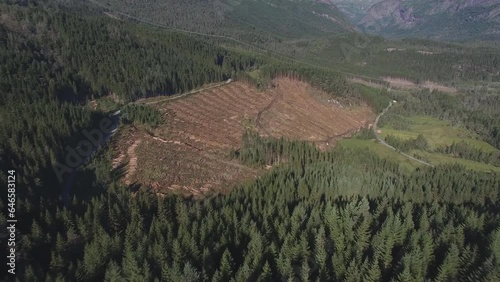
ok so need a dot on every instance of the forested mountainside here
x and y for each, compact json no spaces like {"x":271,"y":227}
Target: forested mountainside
{"x":290,"y":29}
{"x":444,"y":19}
{"x":55,"y":61}
{"x":340,"y":215}
{"x":354,"y":10}
{"x":476,"y":111}
{"x":261,"y":21}
{"x":337,"y":216}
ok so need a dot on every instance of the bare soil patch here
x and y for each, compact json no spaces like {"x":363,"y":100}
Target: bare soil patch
{"x":406,"y":84}
{"x":395,"y":49}
{"x":366,"y":82}
{"x":132,"y":161}
{"x":435,"y":86}
{"x":425,"y":52}
{"x":189,"y":153}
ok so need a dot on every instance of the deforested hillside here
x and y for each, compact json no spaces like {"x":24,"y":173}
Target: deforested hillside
{"x":54,"y":61}
{"x":190,"y":151}
{"x":135,"y":151}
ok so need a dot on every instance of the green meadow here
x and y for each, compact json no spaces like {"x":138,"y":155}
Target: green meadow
{"x":409,"y":165}
{"x":437,"y":159}
{"x":382,"y":151}
{"x":438,"y":133}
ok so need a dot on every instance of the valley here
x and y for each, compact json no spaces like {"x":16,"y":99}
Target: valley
{"x":258,"y":140}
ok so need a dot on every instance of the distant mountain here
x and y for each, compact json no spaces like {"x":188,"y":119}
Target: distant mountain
{"x":438,"y":19}
{"x":355,"y":10}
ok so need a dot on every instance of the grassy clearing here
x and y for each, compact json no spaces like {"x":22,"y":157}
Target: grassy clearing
{"x":382,"y":151}
{"x":438,"y":133}
{"x":437,"y":158}
{"x":105,"y":104}
{"x":409,"y":165}
{"x":427,"y":120}
{"x":255,"y":74}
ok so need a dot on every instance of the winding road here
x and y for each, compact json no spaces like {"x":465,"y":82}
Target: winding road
{"x":389,"y":146}
{"x":173,"y":97}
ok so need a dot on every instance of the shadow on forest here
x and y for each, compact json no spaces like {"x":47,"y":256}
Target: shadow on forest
{"x":118,"y":172}
{"x":86,"y":185}
{"x":134,"y":187}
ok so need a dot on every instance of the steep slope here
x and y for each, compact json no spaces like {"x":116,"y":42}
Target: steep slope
{"x":251,"y":20}
{"x":54,"y":61}
{"x":355,"y":10}
{"x":443,"y":19}
{"x":189,"y":152}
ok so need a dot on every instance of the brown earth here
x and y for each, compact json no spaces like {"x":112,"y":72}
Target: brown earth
{"x":189,"y":153}
{"x":366,"y":82}
{"x":406,"y":84}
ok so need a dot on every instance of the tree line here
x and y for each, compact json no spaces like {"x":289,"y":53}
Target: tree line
{"x":464,"y":150}
{"x":418,"y":143}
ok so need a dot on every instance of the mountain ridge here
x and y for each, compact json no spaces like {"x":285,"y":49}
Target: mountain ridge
{"x":242,"y":18}
{"x":443,"y":19}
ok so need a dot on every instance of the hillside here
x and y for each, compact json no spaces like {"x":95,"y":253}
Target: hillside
{"x":354,"y":10}
{"x":133,"y":150}
{"x":311,"y":33}
{"x":444,"y":19}
{"x":260,"y":21}
{"x":189,"y":152}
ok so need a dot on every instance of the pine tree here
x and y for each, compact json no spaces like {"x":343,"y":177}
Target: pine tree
{"x":130,"y":266}
{"x":266,"y":273}
{"x":190,"y":273}
{"x":226,"y":267}
{"x":113,"y":272}
{"x":448,"y":271}
{"x":305,"y":269}
{"x":320,"y":252}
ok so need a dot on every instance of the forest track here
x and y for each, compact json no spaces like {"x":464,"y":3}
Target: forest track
{"x":381,"y":141}
{"x":174,"y":97}
{"x":132,"y":163}
{"x":266,"y":108}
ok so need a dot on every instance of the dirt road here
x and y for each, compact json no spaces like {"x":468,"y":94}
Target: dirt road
{"x":389,"y":146}
{"x":174,"y":97}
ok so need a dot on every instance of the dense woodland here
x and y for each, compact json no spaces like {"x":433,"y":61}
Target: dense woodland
{"x":340,"y":215}
{"x":335,"y":216}
{"x":419,"y":143}
{"x":261,"y":22}
{"x":55,"y":61}
{"x":310,"y":32}
{"x":141,"y":114}
{"x":466,"y":151}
